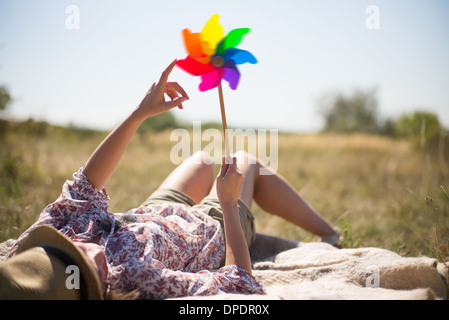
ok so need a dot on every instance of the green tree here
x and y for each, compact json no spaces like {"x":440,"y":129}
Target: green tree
{"x":160,"y":122}
{"x":5,"y":98}
{"x":423,"y":128}
{"x":356,"y":112}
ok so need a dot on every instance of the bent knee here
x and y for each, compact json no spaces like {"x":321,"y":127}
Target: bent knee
{"x":244,"y":157}
{"x":202,"y":158}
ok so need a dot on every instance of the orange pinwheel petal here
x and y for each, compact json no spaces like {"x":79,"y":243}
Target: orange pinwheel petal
{"x":193,"y":44}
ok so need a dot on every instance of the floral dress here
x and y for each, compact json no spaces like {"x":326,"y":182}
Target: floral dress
{"x":163,"y":250}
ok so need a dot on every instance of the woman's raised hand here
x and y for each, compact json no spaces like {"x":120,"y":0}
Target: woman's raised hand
{"x":154,"y":102}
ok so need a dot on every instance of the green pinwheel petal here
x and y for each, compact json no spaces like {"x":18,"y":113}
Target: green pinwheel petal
{"x":220,"y":47}
{"x":232,"y":39}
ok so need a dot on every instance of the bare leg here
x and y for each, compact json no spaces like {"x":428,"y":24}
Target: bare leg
{"x":193,"y":177}
{"x":272,"y":193}
{"x":276,"y":196}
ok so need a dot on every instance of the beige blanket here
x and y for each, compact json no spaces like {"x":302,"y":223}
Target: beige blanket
{"x":320,"y":271}
{"x":296,"y":270}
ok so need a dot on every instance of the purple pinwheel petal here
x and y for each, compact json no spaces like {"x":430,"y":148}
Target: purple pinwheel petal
{"x":240,"y":56}
{"x":232,"y":74}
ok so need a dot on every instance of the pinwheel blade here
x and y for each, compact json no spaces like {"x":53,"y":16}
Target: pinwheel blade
{"x":193,"y":44}
{"x":232,"y":74}
{"x":212,"y":79}
{"x":232,"y":40}
{"x":240,"y":56}
{"x":212,"y":34}
{"x":194,"y":67}
{"x":234,"y":37}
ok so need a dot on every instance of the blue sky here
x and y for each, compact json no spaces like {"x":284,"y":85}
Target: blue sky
{"x":93,"y":76}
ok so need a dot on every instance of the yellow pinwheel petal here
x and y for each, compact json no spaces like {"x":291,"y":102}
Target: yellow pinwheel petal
{"x":212,"y":34}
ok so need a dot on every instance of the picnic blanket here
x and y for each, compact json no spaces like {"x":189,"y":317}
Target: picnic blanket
{"x":315,"y":270}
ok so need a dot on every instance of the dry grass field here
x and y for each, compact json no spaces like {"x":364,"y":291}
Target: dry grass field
{"x":381,"y":192}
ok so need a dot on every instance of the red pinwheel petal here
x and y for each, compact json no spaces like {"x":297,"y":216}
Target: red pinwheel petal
{"x":194,"y":67}
{"x":232,"y":74}
{"x":212,"y":79}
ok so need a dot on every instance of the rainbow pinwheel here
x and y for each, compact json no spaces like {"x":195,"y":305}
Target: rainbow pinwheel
{"x":214,"y":56}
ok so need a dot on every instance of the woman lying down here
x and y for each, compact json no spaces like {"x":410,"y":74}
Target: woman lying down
{"x":190,"y":237}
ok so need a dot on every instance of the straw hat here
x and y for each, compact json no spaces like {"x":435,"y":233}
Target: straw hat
{"x":39,"y":269}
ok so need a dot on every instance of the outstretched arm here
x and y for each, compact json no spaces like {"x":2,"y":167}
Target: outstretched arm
{"x":105,"y":159}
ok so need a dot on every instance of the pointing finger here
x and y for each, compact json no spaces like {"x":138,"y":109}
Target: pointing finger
{"x":166,"y":73}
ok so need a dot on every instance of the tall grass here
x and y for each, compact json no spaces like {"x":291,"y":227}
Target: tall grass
{"x":381,"y":192}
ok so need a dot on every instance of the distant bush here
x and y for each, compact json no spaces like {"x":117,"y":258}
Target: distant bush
{"x":352,"y":113}
{"x":5,"y":98}
{"x":422,"y":128}
{"x":160,"y":122}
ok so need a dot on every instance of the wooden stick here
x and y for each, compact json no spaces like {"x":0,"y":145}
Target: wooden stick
{"x":223,"y":120}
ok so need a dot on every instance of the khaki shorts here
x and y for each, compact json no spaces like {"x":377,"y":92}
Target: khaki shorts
{"x":210,"y":206}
